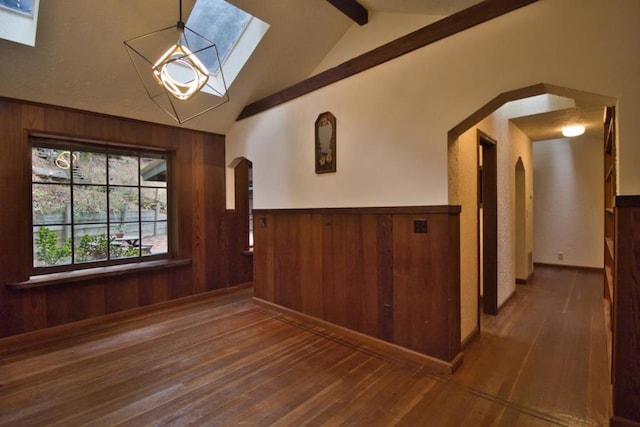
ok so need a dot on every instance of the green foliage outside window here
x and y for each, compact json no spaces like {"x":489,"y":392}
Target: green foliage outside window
{"x":89,"y":248}
{"x":48,"y":249}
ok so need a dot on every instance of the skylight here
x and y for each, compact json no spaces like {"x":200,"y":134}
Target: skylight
{"x":22,"y":6}
{"x":235,"y":33}
{"x":19,"y":20}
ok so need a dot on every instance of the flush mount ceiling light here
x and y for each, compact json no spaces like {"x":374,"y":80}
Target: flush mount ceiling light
{"x":176,"y":78}
{"x":575,"y":130}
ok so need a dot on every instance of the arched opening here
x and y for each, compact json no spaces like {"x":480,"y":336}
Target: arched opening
{"x":524,"y":260}
{"x":565,"y":176}
{"x":240,"y":220}
{"x":503,"y":118}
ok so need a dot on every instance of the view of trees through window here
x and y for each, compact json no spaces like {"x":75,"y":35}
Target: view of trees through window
{"x":93,"y":204}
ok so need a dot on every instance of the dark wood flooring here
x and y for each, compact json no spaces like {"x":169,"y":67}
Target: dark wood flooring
{"x":227,"y":361}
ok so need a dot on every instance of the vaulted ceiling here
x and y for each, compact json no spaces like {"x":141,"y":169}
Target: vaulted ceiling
{"x":79,"y":60}
{"x":424,"y":7}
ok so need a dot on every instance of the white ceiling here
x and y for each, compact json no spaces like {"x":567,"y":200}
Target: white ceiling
{"x":79,"y":60}
{"x":424,"y":7}
{"x":548,"y":125}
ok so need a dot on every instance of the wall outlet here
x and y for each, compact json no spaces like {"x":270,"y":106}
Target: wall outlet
{"x":420,"y":226}
{"x":560,"y":256}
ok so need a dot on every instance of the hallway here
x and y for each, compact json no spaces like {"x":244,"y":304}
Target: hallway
{"x":546,"y":350}
{"x":224,"y":360}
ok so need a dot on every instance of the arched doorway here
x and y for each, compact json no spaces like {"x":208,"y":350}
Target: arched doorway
{"x":523,"y":259}
{"x":239,"y":222}
{"x":462,"y":188}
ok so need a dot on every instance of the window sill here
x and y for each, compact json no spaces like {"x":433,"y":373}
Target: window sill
{"x":96,"y":273}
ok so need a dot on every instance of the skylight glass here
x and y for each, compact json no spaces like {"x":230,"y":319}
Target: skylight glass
{"x":220,"y":22}
{"x":19,"y":20}
{"x":235,"y":33}
{"x":22,"y":6}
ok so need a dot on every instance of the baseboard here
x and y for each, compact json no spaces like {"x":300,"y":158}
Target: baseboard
{"x":472,"y":336}
{"x":509,"y":298}
{"x":525,"y":281}
{"x":530,"y":276}
{"x":383,"y":347}
{"x":238,"y":286}
{"x":622,"y":422}
{"x":575,"y":267}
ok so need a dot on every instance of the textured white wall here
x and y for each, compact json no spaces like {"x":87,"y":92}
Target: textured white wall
{"x":464,"y":156}
{"x":569,"y":205}
{"x":512,"y":144}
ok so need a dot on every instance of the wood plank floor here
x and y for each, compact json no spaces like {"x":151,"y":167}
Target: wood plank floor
{"x":227,"y":361}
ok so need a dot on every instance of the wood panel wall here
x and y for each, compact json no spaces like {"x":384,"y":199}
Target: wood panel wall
{"x":366,"y":270}
{"x":626,"y":328}
{"x":199,"y":226}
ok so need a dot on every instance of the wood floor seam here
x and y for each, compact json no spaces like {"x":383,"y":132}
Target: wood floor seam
{"x":231,"y":361}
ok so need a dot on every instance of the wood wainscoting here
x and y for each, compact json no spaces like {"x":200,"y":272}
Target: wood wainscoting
{"x":390,"y":273}
{"x":626,"y":313}
{"x":200,"y":227}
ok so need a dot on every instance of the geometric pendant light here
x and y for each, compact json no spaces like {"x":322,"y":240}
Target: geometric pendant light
{"x":174,"y":67}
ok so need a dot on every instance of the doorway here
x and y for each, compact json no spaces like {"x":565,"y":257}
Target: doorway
{"x":463,"y":152}
{"x":522,"y":260}
{"x":488,"y":223}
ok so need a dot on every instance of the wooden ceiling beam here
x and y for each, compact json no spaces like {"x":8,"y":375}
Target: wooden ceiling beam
{"x":352,"y":9}
{"x":477,"y":14}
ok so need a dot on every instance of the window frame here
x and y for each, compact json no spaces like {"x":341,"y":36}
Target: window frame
{"x":36,"y":140}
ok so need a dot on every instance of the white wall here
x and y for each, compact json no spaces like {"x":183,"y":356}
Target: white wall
{"x":381,"y":28}
{"x":569,"y":206}
{"x":392,"y":120}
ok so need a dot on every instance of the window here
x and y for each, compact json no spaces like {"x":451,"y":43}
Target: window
{"x":22,"y":6}
{"x":19,"y":20}
{"x":221,"y":23}
{"x":96,"y":205}
{"x":235,"y":33}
